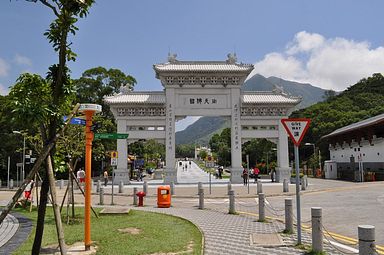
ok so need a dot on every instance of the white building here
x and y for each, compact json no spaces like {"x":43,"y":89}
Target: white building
{"x":202,"y":88}
{"x":359,"y":148}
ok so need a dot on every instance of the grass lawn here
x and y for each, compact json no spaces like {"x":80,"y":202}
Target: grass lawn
{"x":158,"y":233}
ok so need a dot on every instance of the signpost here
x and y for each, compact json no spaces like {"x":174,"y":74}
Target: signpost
{"x":75,"y":121}
{"x":112,"y":136}
{"x":296,"y":129}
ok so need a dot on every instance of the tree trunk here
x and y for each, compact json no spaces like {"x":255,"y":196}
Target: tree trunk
{"x":40,"y":217}
{"x":56,"y":209}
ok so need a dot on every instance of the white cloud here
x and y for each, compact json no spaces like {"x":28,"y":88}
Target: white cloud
{"x":3,"y":90}
{"x":4,"y":68}
{"x":22,"y":60}
{"x":333,"y":63}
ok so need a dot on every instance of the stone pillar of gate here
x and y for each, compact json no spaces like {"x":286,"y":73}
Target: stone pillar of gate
{"x":170,"y":173}
{"x":122,"y":172}
{"x":283,"y":171}
{"x":236,"y":168}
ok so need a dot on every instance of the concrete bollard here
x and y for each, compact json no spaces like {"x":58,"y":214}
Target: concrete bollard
{"x":288,"y":215}
{"x":98,"y":185}
{"x":285,"y":185}
{"x":232,"y":209}
{"x":172,"y":188}
{"x":259,"y":187}
{"x":93,"y":187}
{"x":229,"y":187}
{"x":0,"y":184}
{"x":199,"y":186}
{"x":366,"y":234}
{"x":11,"y":183}
{"x":145,"y":187}
{"x":303,"y":184}
{"x":101,"y":195}
{"x":261,"y":207}
{"x":121,"y":187}
{"x":134,"y":196}
{"x":201,"y":199}
{"x":317,"y":230}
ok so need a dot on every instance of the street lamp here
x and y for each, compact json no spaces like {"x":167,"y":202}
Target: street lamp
{"x":314,"y":152}
{"x":272,"y":150}
{"x":23,"y":168}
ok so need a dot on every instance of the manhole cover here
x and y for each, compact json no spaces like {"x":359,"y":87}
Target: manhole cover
{"x":266,"y":240}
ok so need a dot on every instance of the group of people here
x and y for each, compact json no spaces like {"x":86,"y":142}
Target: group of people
{"x":254,"y":173}
{"x":185,"y":166}
{"x":219,"y":172}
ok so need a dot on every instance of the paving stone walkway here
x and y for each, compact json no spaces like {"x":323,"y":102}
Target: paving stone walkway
{"x":231,"y":234}
{"x":13,"y":231}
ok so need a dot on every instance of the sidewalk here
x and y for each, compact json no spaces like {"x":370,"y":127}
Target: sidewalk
{"x":223,"y":233}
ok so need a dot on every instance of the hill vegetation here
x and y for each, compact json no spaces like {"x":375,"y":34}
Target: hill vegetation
{"x":360,"y":101}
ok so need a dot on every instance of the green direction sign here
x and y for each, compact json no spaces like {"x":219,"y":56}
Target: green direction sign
{"x":110,"y":136}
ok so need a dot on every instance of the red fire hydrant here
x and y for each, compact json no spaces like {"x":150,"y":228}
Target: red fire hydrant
{"x":141,"y":195}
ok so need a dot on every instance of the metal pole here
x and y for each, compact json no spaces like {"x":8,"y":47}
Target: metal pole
{"x":88,"y":169}
{"x":248,"y":172}
{"x":210,"y":186}
{"x":298,"y":194}
{"x":9,"y":167}
{"x":113,"y":183}
{"x":23,"y":172}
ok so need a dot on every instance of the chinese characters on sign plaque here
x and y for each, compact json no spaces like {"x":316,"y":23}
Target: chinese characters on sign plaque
{"x":200,"y":100}
{"x":236,"y":124}
{"x":170,"y":127}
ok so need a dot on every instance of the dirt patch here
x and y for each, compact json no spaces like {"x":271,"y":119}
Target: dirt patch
{"x":132,"y":231}
{"x":74,"y":249}
{"x":188,"y":250}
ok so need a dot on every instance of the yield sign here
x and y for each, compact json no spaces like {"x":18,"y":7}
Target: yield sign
{"x":296,"y":128}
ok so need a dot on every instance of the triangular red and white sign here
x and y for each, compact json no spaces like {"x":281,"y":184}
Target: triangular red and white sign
{"x":296,"y":128}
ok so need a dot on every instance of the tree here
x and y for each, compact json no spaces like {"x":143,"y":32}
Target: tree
{"x":67,"y":13}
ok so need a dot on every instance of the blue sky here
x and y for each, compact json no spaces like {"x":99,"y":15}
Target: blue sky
{"x":331,"y":44}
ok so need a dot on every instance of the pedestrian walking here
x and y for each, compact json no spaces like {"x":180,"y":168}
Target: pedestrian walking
{"x":273,"y":174}
{"x":256,"y":172}
{"x":105,"y":177}
{"x":245,"y":176}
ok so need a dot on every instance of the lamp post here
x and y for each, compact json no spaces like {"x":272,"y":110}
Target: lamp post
{"x":88,"y":110}
{"x":273,"y":149}
{"x":314,"y":151}
{"x":23,"y":168}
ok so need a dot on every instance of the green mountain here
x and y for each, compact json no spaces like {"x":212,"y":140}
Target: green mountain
{"x":360,"y":101}
{"x":309,"y":93}
{"x":201,"y":131}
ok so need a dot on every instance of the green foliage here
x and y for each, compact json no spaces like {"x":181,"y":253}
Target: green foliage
{"x":203,"y":154}
{"x":220,"y":144}
{"x":360,"y":101}
{"x":185,"y":150}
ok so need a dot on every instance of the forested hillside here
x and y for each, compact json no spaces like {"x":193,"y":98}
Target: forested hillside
{"x":360,"y":101}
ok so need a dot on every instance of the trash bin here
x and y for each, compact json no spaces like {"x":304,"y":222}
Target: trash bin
{"x":164,"y":196}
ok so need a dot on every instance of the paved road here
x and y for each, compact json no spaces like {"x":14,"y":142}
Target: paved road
{"x":344,"y":208}
{"x":192,"y":173}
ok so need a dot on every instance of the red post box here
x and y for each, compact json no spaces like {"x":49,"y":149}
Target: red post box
{"x":164,"y":196}
{"x":141,"y":195}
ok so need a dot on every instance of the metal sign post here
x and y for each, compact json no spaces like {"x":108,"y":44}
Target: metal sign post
{"x":298,"y":206}
{"x":248,"y":172}
{"x":113,"y":183}
{"x":296,"y":129}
